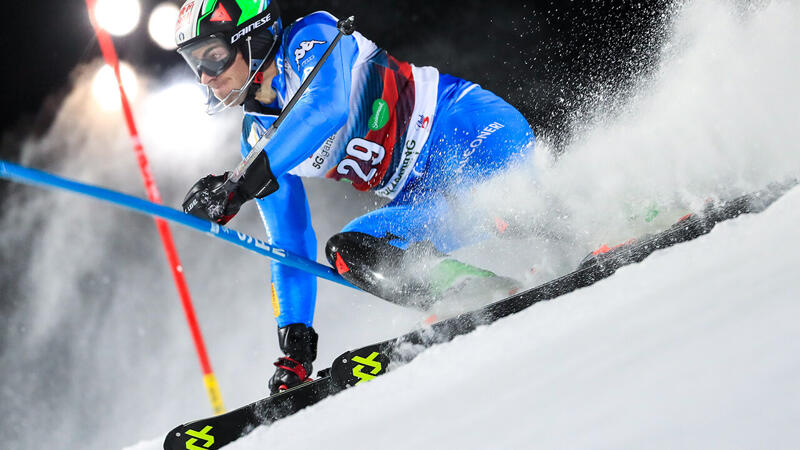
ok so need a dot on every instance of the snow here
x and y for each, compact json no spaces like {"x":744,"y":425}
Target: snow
{"x":665,"y":354}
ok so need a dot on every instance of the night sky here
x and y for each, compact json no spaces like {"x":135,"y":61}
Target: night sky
{"x":543,"y":57}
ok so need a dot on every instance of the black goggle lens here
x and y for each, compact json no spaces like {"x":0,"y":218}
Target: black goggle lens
{"x":212,"y":56}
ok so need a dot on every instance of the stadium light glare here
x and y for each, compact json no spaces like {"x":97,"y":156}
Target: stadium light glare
{"x":176,"y":114}
{"x":161,"y":25}
{"x":118,"y":17}
{"x":106,"y":91}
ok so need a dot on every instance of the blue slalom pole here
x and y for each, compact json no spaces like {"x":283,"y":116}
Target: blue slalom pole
{"x":35,"y":177}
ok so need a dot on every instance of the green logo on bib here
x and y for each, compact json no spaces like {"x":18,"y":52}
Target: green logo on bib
{"x":380,"y":115}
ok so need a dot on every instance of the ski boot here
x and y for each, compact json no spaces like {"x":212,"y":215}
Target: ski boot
{"x":418,"y":276}
{"x":299,"y":345}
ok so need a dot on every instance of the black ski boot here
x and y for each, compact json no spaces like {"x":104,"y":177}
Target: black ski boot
{"x":419,"y":276}
{"x":299,"y":343}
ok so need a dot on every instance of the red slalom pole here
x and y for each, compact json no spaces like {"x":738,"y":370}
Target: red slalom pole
{"x":110,"y":56}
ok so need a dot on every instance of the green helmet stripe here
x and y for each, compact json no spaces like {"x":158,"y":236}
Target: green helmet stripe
{"x":209,"y":8}
{"x":250,"y":8}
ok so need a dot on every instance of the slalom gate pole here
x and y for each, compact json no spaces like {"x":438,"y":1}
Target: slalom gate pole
{"x":35,"y":177}
{"x":110,"y":56}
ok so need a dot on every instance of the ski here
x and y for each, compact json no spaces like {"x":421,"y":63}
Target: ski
{"x":364,"y":364}
{"x":217,"y":431}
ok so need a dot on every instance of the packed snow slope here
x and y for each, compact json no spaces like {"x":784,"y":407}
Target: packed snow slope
{"x":696,"y":347}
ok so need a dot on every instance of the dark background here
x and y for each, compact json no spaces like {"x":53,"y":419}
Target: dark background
{"x":545,"y":57}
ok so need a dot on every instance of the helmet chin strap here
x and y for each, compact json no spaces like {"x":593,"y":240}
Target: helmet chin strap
{"x":236,"y":96}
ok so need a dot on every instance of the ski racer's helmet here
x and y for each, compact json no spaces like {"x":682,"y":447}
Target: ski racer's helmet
{"x":209,"y":33}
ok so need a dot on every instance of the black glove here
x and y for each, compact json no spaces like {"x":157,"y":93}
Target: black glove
{"x":215,"y":198}
{"x":299,"y":343}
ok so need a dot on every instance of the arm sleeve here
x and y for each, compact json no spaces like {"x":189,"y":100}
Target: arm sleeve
{"x":288,"y":225}
{"x":324,"y":107}
{"x":288,"y":222}
{"x":320,"y":112}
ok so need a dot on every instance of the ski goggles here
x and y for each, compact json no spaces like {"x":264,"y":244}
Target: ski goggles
{"x":211,"y":56}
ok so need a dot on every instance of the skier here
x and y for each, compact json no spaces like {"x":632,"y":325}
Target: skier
{"x":408,"y":133}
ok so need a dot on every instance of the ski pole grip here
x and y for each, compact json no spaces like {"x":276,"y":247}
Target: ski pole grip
{"x":347,"y":26}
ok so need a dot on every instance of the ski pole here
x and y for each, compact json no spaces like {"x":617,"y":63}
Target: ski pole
{"x":346,"y":27}
{"x":40,"y":178}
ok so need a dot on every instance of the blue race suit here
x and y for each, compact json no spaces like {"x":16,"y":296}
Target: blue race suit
{"x":407,"y":133}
